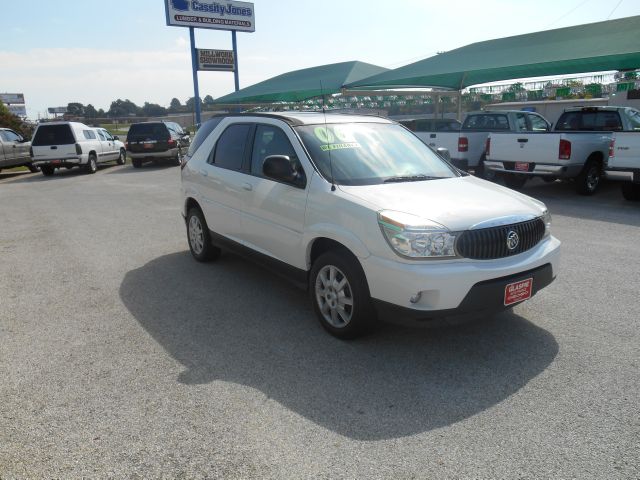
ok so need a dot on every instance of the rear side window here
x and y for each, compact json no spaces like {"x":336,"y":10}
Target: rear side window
{"x":231,"y":146}
{"x":486,"y":122}
{"x":53,"y":135}
{"x":521,"y":122}
{"x":634,"y":119}
{"x":89,"y":135}
{"x":203,"y":132}
{"x":585,"y":121}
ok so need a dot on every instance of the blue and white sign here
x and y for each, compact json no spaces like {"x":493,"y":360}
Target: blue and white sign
{"x":227,"y":15}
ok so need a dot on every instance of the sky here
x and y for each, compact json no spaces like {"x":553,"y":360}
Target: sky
{"x":94,"y":52}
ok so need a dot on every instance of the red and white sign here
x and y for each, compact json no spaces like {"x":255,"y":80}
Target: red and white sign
{"x":518,"y":291}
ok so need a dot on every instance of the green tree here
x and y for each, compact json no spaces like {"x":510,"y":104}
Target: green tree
{"x":153,"y":110}
{"x":191,"y":104}
{"x":123,"y":108}
{"x":76,"y":109}
{"x":90,"y":111}
{"x":175,"y":105}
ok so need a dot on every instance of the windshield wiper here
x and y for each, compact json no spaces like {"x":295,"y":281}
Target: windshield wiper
{"x":411,"y":178}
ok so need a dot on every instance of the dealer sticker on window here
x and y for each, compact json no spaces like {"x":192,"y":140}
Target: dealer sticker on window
{"x":518,"y":291}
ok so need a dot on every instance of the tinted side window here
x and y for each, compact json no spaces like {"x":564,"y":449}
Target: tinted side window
{"x":486,"y":122}
{"x":53,"y":135}
{"x":89,"y":135}
{"x":270,"y":140}
{"x":203,"y":132}
{"x":231,"y":145}
{"x":521,"y":122}
{"x":634,"y":119}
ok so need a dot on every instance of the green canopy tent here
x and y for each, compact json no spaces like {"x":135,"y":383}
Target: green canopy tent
{"x":302,"y":84}
{"x":609,"y":45}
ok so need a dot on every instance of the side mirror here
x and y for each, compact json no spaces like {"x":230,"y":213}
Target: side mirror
{"x":116,"y":137}
{"x":444,"y":153}
{"x":280,"y":168}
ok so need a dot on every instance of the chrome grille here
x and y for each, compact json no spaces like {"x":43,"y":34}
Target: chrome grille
{"x":490,"y":243}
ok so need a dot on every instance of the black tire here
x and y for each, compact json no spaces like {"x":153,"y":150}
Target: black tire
{"x":199,"y":237}
{"x":136,"y":162}
{"x":33,"y":168}
{"x":122,"y":158}
{"x":92,"y":163}
{"x":589,"y":178}
{"x":631,"y":191}
{"x":515,"y":182}
{"x":359,"y":317}
{"x":47,"y":170}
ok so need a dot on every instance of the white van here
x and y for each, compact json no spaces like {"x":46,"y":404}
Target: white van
{"x":74,"y":144}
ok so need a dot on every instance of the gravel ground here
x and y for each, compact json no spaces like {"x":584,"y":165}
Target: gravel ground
{"x":121,"y":357}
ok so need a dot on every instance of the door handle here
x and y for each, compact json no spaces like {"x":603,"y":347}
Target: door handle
{"x":204,"y":173}
{"x":247,"y":186}
{"x":523,"y":140}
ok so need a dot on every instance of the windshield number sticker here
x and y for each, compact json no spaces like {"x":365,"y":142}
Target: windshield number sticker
{"x":339,"y":146}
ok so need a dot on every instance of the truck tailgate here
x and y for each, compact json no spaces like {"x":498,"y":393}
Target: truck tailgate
{"x":54,"y":152}
{"x":448,"y":140}
{"x":525,"y":147}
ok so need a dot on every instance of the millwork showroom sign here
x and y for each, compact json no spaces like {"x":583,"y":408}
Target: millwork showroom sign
{"x":229,"y":15}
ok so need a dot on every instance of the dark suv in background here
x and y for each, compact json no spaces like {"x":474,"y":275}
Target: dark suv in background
{"x":156,"y":141}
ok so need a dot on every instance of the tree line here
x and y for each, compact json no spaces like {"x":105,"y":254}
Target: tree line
{"x":126,"y":108}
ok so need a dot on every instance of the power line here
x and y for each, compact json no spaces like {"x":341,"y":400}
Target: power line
{"x":614,"y":9}
{"x":568,"y":13}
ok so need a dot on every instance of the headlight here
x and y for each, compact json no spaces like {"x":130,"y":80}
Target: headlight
{"x":546,"y":217}
{"x":414,"y":237}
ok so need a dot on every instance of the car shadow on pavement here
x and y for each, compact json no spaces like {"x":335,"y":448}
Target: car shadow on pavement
{"x":128,"y":168}
{"x":233,"y":321}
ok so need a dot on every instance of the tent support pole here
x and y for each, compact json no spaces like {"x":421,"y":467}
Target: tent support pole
{"x":459,"y":105}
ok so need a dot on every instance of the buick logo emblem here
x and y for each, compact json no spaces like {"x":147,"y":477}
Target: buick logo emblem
{"x":512,"y":240}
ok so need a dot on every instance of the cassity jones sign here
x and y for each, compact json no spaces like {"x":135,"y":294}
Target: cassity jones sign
{"x":228,"y":15}
{"x":216,"y":60}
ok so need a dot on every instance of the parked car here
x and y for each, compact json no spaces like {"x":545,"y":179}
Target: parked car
{"x":74,"y":144}
{"x":14,"y":150}
{"x":156,"y":141}
{"x":364,"y":215}
{"x":467,"y":145}
{"x":578,"y":148}
{"x":624,"y":164}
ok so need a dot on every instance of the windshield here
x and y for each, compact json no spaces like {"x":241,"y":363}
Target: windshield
{"x":371,"y":153}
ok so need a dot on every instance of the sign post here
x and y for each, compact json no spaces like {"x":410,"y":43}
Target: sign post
{"x":230,"y":15}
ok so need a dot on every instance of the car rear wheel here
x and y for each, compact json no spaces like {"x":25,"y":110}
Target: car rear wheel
{"x":340,"y":295}
{"x":33,"y":168}
{"x":122,"y":158}
{"x":92,"y":164}
{"x":589,"y":179}
{"x":199,"y":238}
{"x":47,"y":170}
{"x":136,"y":162}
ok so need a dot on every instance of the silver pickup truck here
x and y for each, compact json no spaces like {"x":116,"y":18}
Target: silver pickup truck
{"x":466,"y":145}
{"x":14,"y":150}
{"x":578,"y":148}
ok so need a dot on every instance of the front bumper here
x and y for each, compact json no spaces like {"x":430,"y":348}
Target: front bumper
{"x":536,"y":169}
{"x":444,"y":285}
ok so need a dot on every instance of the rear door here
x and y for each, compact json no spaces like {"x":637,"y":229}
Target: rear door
{"x":54,"y":142}
{"x":224,"y":183}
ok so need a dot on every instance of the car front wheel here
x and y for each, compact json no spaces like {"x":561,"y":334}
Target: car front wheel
{"x":340,"y":295}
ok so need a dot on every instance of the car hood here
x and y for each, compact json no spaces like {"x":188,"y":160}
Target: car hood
{"x":457,"y":203}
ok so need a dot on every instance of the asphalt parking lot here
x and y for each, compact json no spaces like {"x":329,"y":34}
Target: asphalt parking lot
{"x":120,"y":356}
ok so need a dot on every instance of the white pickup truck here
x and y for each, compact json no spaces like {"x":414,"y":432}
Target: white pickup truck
{"x":624,"y":165}
{"x":73,"y":144}
{"x":467,"y":145}
{"x":578,"y":148}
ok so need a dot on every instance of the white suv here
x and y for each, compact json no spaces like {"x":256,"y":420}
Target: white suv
{"x":360,"y":212}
